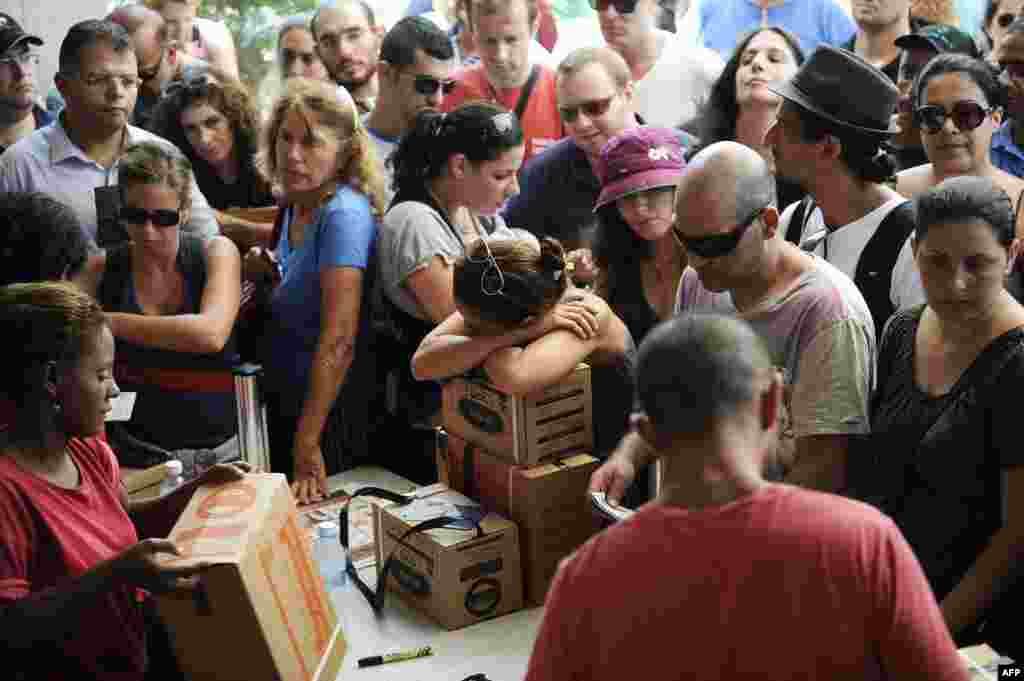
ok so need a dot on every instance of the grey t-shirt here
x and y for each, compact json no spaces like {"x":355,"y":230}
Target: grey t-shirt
{"x":411,"y":235}
{"x":819,"y":332}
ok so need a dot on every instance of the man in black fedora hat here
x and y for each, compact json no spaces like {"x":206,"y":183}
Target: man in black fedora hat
{"x":20,"y":114}
{"x":830,"y":137}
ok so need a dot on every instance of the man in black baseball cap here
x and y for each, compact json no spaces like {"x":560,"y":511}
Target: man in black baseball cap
{"x":19,"y":112}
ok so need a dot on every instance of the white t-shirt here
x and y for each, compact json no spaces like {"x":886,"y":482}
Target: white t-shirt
{"x":842,"y":248}
{"x":678,"y":83}
{"x":383,"y":147}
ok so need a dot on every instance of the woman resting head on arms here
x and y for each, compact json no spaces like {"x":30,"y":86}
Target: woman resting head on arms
{"x":958,"y":104}
{"x":171,"y":301}
{"x":639,"y":258}
{"x":315,"y":148}
{"x":215,"y":124}
{"x":519,"y":320}
{"x":945,"y":417}
{"x":70,"y":556}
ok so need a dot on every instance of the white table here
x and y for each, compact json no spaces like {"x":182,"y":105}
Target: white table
{"x":499,"y":648}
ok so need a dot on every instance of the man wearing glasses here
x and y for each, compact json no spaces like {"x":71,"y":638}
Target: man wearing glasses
{"x":506,"y":75}
{"x":672,"y":78}
{"x":20,"y":115}
{"x":160,"y":62}
{"x":75,"y":160}
{"x":813,"y":320}
{"x":348,"y":41}
{"x":414,"y":74}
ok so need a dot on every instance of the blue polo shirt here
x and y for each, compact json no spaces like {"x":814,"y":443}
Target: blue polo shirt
{"x":1005,"y":154}
{"x":723,"y":23}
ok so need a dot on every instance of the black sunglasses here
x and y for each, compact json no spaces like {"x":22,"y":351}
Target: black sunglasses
{"x":717,"y":245}
{"x":966,"y":115}
{"x":160,"y":218}
{"x":428,"y":85}
{"x":621,"y":6}
{"x":593,"y":109}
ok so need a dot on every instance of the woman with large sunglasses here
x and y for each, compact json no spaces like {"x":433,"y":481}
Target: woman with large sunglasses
{"x":958,"y":106}
{"x":945,"y":460}
{"x":215,"y":124}
{"x":171,"y":302}
{"x":451,"y":174}
{"x":639,"y":258}
{"x":519,"y":319}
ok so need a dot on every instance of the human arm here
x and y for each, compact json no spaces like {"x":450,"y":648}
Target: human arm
{"x":220,"y":46}
{"x":201,"y":220}
{"x":431,"y":286}
{"x":247,"y":227}
{"x":205,"y":331}
{"x":340,"y":300}
{"x":617,"y":473}
{"x":830,"y":399}
{"x":996,"y":566}
{"x":450,"y":350}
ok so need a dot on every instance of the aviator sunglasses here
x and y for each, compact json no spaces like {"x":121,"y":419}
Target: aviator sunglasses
{"x":717,"y":245}
{"x":428,"y":85}
{"x":621,"y":6}
{"x":160,"y":217}
{"x":966,"y":115}
{"x":593,"y":109}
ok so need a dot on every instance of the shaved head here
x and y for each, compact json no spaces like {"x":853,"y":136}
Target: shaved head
{"x":134,"y":17}
{"x":730,"y":178}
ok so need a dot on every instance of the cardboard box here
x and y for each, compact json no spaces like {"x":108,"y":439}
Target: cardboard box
{"x":525,"y":429}
{"x":452,"y":575}
{"x":548,"y":502}
{"x":262,"y":611}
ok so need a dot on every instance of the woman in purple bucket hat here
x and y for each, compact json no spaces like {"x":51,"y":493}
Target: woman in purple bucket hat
{"x":640,"y":259}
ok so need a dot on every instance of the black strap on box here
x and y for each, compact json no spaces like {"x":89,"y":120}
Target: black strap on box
{"x":376,"y":599}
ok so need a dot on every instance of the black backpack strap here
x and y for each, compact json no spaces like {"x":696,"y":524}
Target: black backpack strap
{"x":116,"y":273}
{"x":873,"y":275}
{"x":798,"y":220}
{"x":524,"y":94}
{"x":376,"y":600}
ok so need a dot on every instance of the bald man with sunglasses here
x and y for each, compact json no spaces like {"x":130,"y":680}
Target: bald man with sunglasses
{"x":813,"y":320}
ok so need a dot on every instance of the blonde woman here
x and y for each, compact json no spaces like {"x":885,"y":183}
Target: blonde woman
{"x":317,"y":151}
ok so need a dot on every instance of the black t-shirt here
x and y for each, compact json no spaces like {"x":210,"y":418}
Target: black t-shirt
{"x":247,"y":191}
{"x":892,"y":68}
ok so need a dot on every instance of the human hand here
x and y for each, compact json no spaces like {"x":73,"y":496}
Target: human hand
{"x":260,"y":265}
{"x":572,"y":314}
{"x":614,"y":476}
{"x":138,"y":565}
{"x":582,"y":266}
{"x":309,"y":482}
{"x":223,"y":473}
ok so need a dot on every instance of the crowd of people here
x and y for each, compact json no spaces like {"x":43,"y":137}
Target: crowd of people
{"x":787,"y":245}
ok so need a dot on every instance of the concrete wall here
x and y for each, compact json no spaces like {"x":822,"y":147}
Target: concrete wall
{"x":50,"y":20}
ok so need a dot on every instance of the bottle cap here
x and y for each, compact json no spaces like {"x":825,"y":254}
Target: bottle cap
{"x":174,"y":468}
{"x":327,"y":528}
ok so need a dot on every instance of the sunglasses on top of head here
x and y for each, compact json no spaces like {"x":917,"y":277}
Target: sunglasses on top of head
{"x":718,"y":245}
{"x":160,"y":217}
{"x":621,"y":6}
{"x":965,"y":114}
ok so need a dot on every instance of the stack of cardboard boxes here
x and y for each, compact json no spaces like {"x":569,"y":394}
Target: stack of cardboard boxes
{"x":527,"y":458}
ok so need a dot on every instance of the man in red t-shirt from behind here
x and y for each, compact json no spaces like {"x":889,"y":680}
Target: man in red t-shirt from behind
{"x":503,"y":30}
{"x":725,"y":575}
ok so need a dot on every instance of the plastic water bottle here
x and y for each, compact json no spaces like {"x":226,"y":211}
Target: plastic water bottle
{"x":172,"y":477}
{"x":330,"y":555}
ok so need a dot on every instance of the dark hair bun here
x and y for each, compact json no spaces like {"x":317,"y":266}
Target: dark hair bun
{"x":552,"y":255}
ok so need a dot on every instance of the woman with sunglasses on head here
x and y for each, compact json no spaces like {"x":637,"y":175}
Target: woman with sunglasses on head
{"x":740,"y":107}
{"x":72,"y":568}
{"x":316,"y":367}
{"x":947,"y":463}
{"x":171,"y":302}
{"x":451,"y":174}
{"x":215,"y":124}
{"x":518,"y":318}
{"x":639,"y":258}
{"x":958,"y":105}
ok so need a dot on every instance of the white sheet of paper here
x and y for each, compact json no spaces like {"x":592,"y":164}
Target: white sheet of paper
{"x":123,"y":405}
